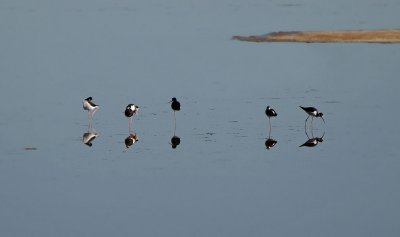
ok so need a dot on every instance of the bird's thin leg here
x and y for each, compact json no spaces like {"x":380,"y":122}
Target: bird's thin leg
{"x":312,"y":119}
{"x":269,"y":121}
{"x":269,"y":133}
{"x":305,"y":130}
{"x":305,"y":122}
{"x":130,"y":125}
{"x":174,"y":123}
{"x":94,"y":111}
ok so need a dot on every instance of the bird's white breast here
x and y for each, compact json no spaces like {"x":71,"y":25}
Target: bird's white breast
{"x":88,"y":106}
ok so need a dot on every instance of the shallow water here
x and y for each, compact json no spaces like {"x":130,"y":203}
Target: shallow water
{"x":220,"y":180}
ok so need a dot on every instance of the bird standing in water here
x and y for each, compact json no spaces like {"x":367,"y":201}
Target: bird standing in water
{"x":90,"y":107}
{"x":175,"y":106}
{"x":270,"y":112}
{"x":131,"y":110}
{"x":313,"y":112}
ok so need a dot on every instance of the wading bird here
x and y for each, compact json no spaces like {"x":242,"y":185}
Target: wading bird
{"x":313,"y":112}
{"x":131,"y":110}
{"x":270,"y":112}
{"x":90,"y":107}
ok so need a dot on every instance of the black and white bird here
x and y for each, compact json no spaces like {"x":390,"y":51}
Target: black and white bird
{"x":175,"y":105}
{"x":270,"y":112}
{"x":90,"y":107}
{"x":313,"y":112}
{"x":130,"y":110}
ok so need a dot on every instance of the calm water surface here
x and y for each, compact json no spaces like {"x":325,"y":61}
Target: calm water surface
{"x":220,"y":180}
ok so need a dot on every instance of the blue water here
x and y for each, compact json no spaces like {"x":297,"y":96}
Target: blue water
{"x":220,"y":180}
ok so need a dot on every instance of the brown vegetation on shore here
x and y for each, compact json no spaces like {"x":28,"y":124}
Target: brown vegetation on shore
{"x":375,"y":36}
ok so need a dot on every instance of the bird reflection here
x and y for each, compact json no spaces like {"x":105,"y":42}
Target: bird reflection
{"x":89,"y":136}
{"x":313,"y":140}
{"x":131,"y":139}
{"x":269,"y":143}
{"x":175,"y":141}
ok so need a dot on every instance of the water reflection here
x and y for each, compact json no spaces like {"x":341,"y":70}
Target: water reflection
{"x":91,"y":134}
{"x":269,"y":143}
{"x":313,"y":140}
{"x":175,"y":141}
{"x":88,"y":137}
{"x":131,"y":139}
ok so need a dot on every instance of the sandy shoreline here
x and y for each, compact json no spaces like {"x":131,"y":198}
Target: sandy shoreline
{"x":375,"y":36}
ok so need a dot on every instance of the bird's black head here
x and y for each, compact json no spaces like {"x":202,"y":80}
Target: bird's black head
{"x":320,"y":115}
{"x":173,"y":99}
{"x":89,"y":98}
